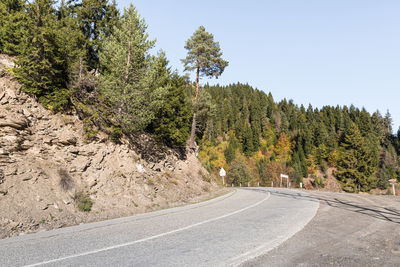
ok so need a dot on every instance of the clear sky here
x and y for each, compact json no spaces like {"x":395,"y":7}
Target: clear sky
{"x":337,"y":52}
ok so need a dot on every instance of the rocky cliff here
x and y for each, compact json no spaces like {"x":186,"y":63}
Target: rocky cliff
{"x":49,"y":174}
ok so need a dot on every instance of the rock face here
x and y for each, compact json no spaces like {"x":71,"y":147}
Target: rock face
{"x":45,"y":163}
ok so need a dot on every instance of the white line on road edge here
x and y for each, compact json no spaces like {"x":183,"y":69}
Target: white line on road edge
{"x":270,"y":245}
{"x":148,"y":238}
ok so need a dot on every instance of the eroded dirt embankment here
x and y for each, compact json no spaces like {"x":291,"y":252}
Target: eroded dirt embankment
{"x":45,"y":163}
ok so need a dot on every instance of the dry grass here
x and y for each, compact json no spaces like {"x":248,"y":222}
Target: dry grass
{"x":66,"y":181}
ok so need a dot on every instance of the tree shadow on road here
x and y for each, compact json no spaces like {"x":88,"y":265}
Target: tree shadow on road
{"x":382,"y":213}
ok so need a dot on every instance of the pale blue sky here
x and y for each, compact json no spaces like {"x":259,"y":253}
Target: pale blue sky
{"x":320,"y":52}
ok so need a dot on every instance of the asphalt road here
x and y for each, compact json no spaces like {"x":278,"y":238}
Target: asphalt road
{"x":348,"y":230}
{"x":228,"y":230}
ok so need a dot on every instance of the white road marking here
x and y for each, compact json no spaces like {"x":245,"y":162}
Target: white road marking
{"x":148,"y":238}
{"x":270,"y":245}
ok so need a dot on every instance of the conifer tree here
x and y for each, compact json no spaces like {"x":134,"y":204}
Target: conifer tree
{"x":204,"y":56}
{"x":355,"y":165}
{"x":42,"y":66}
{"x":96,"y":21}
{"x":171,"y":122}
{"x":230,"y":152}
{"x":126,"y":81}
{"x":12,"y":26}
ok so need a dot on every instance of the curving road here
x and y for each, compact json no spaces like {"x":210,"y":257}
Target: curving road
{"x":228,"y":230}
{"x":348,"y":230}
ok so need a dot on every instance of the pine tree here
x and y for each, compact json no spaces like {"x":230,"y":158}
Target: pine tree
{"x":204,"y":56}
{"x":12,"y":26}
{"x":126,"y":80}
{"x":171,"y":123}
{"x":42,"y":68}
{"x":230,"y":152}
{"x":355,"y":166}
{"x":248,"y":141}
{"x":96,"y":21}
{"x":73,"y":46}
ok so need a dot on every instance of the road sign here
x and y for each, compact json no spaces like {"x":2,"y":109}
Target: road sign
{"x":222,"y":173}
{"x":287,"y":180}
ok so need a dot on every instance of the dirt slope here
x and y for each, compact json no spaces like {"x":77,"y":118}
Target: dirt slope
{"x":45,"y":162}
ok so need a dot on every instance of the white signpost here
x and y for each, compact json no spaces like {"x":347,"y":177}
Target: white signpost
{"x":222,"y":173}
{"x":393,"y":182}
{"x":287,"y":179}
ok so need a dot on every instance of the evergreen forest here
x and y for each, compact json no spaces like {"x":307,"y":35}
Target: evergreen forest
{"x":85,"y":57}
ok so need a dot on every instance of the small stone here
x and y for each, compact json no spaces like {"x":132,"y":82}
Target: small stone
{"x":11,"y":93}
{"x":27,"y":178}
{"x":140,"y":168}
{"x":48,"y":140}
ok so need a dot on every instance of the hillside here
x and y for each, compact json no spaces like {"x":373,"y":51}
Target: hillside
{"x":47,"y":169}
{"x":336,"y":148}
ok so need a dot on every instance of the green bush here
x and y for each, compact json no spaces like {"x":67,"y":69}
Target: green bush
{"x":116,"y":134}
{"x":238,"y":173}
{"x":324,"y":166}
{"x":83,"y":201}
{"x":90,"y":133}
{"x":57,"y":100}
{"x":319,"y":182}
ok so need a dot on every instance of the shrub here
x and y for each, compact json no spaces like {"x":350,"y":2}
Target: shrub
{"x":83,"y":201}
{"x":116,"y":134}
{"x":205,"y":177}
{"x":319,"y":182}
{"x":324,"y":166}
{"x":239,"y":172}
{"x":272,"y":172}
{"x":56,"y":101}
{"x":90,"y":133}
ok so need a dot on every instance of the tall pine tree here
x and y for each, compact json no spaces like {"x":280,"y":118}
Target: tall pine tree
{"x":204,"y":56}
{"x":42,"y":66}
{"x":355,"y":166}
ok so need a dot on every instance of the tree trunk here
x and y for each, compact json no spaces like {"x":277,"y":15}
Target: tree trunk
{"x":128,"y":62}
{"x":193,"y":132}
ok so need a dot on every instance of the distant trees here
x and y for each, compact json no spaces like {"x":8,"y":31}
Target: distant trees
{"x":204,"y":56}
{"x":282,"y":137}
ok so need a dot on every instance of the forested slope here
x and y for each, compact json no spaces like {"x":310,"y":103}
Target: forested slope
{"x":247,"y":125}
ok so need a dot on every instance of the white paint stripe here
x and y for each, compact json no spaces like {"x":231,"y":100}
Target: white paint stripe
{"x":263,"y":249}
{"x":148,"y":238}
